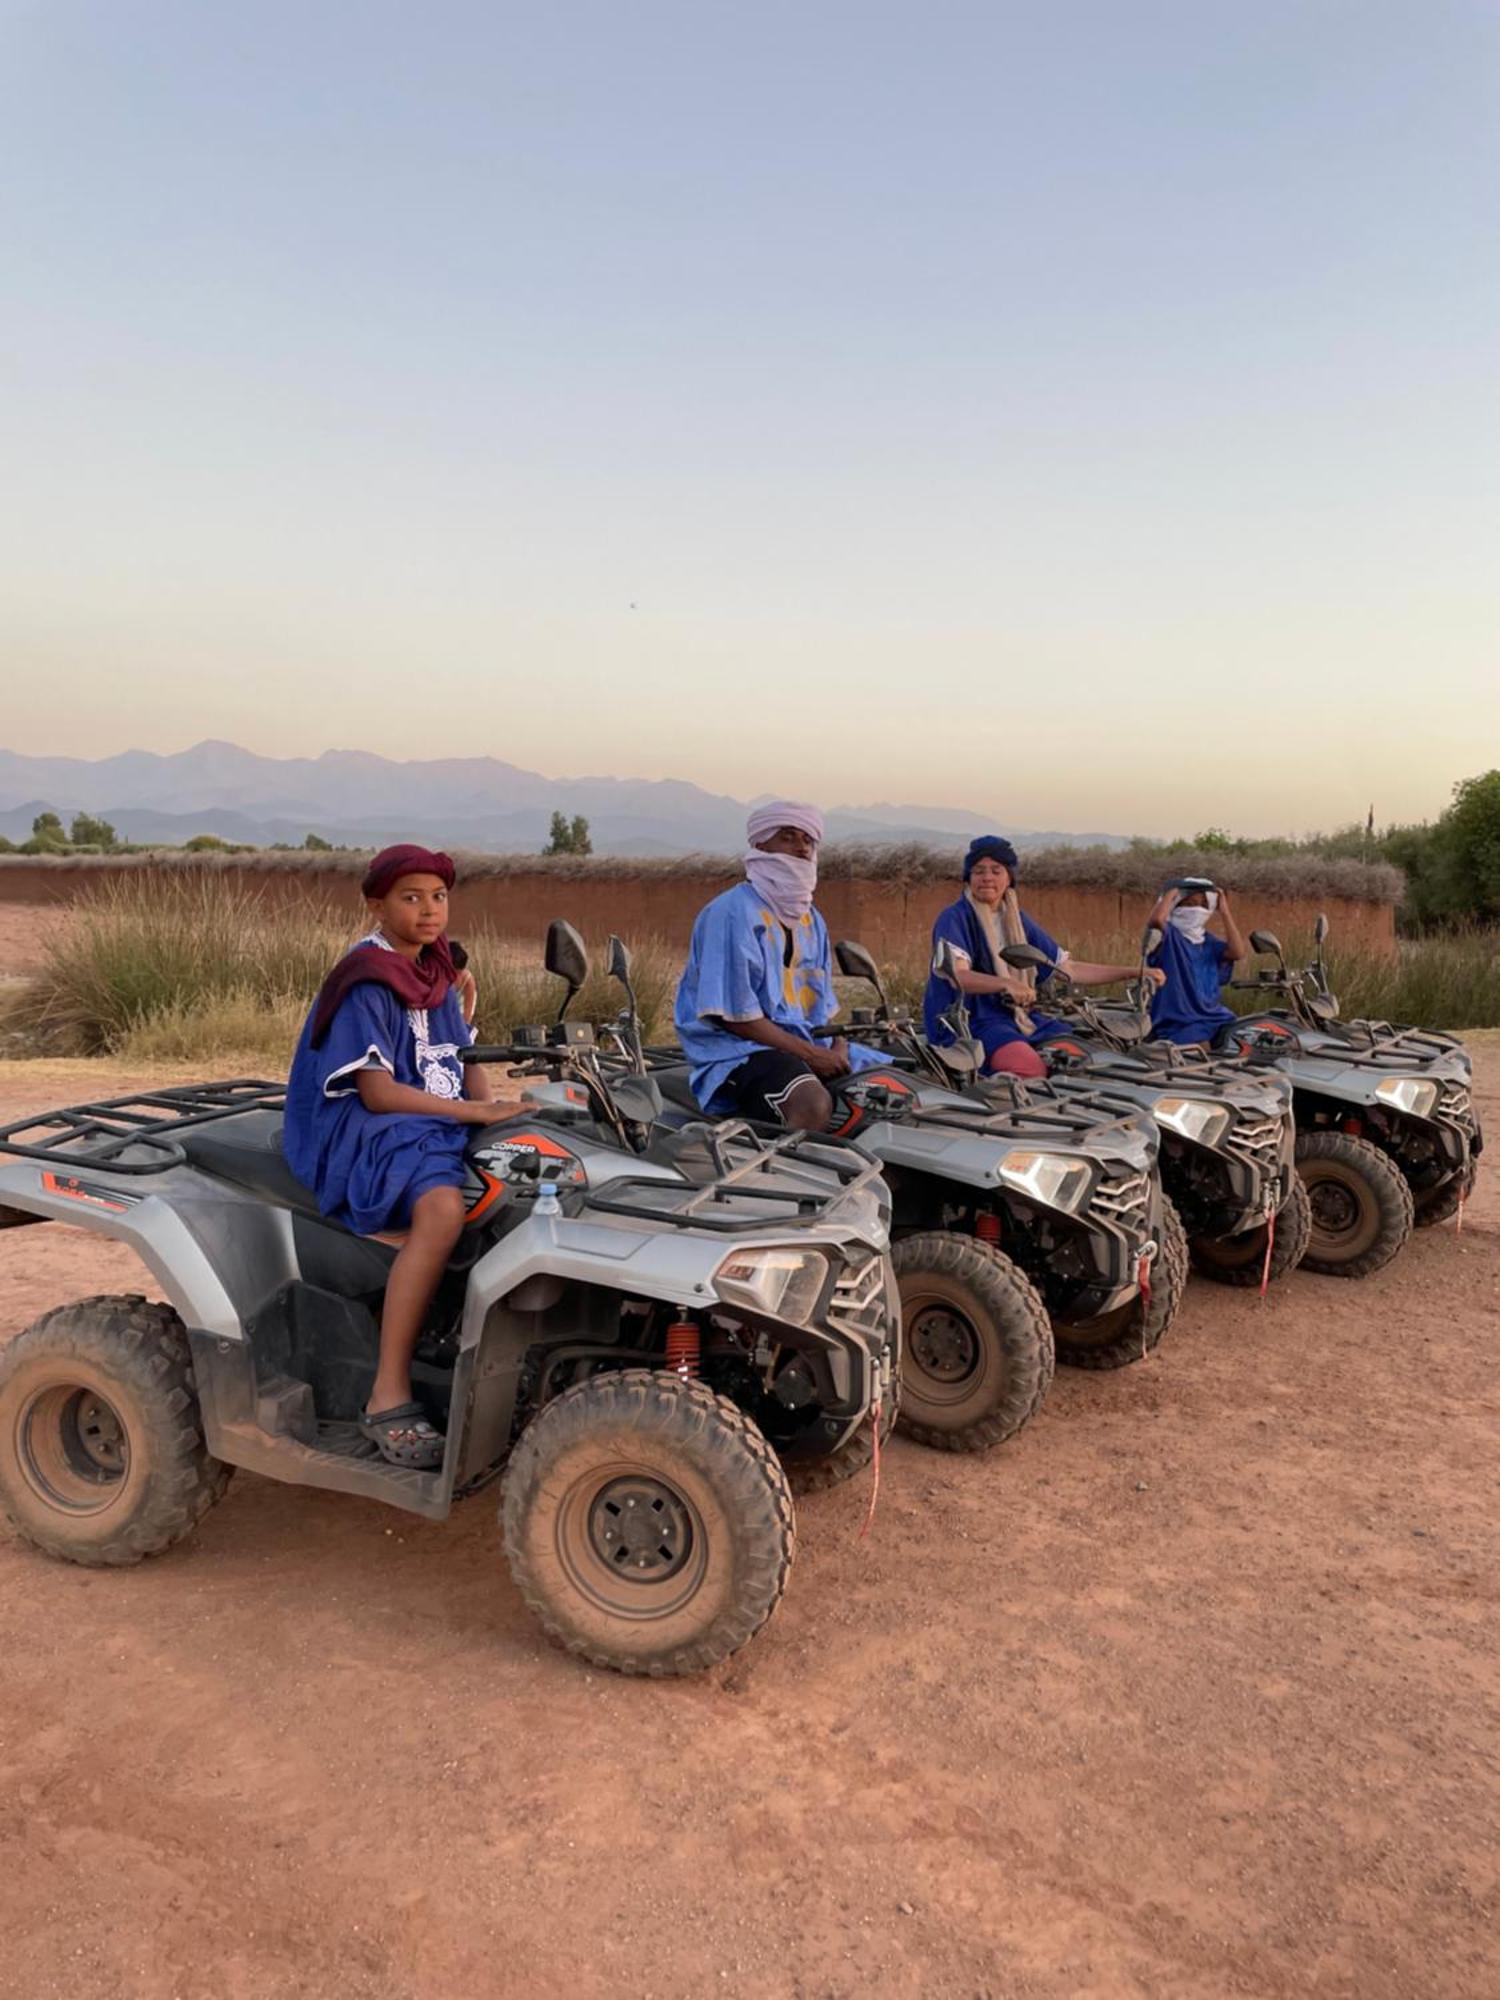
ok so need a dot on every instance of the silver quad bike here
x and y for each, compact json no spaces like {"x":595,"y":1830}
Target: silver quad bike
{"x":1387,"y":1131}
{"x":1228,"y":1135}
{"x":636,"y":1329}
{"x":1021,"y":1232}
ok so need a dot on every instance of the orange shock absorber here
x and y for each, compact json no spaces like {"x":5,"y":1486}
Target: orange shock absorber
{"x":683,"y":1348}
{"x":987,"y":1226}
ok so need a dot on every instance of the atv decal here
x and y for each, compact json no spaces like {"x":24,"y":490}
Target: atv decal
{"x":95,"y":1197}
{"x":530,"y":1157}
{"x":869,"y":1096}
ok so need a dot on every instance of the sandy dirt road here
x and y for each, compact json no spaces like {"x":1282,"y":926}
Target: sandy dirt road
{"x":1193,"y":1690}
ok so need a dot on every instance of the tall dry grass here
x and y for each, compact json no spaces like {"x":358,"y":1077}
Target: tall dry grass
{"x":190,"y":967}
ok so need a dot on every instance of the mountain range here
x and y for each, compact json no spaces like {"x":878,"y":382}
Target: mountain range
{"x":356,"y":799}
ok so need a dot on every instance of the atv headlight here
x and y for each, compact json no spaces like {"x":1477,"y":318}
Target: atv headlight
{"x":1414,"y":1094}
{"x":1196,"y":1118}
{"x":783,"y":1283}
{"x":1053,"y":1178}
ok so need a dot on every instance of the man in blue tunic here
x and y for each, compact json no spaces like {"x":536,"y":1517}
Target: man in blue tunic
{"x":759,"y":981}
{"x":1194,"y":964}
{"x":1003,"y":1014}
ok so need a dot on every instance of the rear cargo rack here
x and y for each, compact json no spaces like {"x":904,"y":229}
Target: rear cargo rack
{"x":103,"y":1133}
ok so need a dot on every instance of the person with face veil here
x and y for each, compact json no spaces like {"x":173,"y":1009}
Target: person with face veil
{"x":758,"y":983}
{"x":1193,"y":962}
{"x":1004,"y":1013}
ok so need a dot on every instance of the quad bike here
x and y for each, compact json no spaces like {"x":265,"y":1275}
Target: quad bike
{"x":1227,"y":1134}
{"x":636,"y":1328}
{"x":1005,"y":1217}
{"x":1387,"y":1133}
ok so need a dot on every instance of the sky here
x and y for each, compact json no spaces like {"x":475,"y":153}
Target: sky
{"x":1084,"y":412}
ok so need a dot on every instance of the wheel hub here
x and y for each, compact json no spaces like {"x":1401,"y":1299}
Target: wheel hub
{"x":1335,"y":1208}
{"x":640,"y":1529}
{"x":74,"y":1450}
{"x":943,"y":1345}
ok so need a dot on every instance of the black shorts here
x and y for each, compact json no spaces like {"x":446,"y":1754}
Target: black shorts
{"x":759,"y":1088}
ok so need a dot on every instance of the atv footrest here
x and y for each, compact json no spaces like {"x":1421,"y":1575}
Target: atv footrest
{"x":345,"y":1440}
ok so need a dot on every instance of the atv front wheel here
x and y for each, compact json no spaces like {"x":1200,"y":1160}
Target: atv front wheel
{"x":647,"y":1523}
{"x":1361,"y":1206}
{"x":102,"y":1459}
{"x":821,"y":1475}
{"x":976,"y":1351}
{"x":1439,"y":1204}
{"x":1115,"y":1339}
{"x":1241,"y":1260}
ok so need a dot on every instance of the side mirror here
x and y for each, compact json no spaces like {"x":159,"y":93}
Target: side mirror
{"x":945,"y":962}
{"x":1025,"y":957}
{"x":1320,"y":929}
{"x":857,"y":965}
{"x":637,"y":1099}
{"x":566,"y":958}
{"x":618,"y":963}
{"x":1150,"y":940}
{"x":1265,"y":941}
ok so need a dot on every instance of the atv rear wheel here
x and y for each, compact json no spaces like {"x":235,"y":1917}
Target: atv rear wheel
{"x":1115,"y":1339}
{"x":976,"y":1350}
{"x":1241,"y":1259}
{"x":1441,"y":1203}
{"x":102,"y":1459}
{"x":1361,"y":1206}
{"x":647,"y":1523}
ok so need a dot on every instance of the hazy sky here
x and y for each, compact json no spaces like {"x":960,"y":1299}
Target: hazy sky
{"x":1086,"y":412}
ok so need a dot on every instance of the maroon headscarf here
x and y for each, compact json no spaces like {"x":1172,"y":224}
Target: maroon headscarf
{"x":423,"y":981}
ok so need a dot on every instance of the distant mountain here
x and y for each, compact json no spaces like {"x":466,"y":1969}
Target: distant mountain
{"x":356,"y":799}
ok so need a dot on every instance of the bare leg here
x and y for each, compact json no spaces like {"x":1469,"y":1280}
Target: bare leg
{"x":806,"y":1106}
{"x":437,"y":1218}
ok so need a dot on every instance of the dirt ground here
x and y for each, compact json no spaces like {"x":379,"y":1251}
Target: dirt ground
{"x":1192,"y":1690}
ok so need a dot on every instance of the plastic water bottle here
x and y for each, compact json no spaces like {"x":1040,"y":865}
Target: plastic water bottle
{"x":547,"y":1203}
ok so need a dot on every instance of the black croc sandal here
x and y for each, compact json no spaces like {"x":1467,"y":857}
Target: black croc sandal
{"x":403,"y":1436}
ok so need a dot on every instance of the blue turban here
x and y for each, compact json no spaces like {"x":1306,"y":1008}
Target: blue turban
{"x":991,"y":847}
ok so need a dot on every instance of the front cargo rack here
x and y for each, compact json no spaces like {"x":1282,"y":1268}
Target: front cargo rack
{"x":133,"y":1135}
{"x":718,"y":1201}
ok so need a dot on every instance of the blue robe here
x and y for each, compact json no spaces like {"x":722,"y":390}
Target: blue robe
{"x":368,"y":1167}
{"x":737,"y":970}
{"x":1188,"y":1008}
{"x":991,"y":1020}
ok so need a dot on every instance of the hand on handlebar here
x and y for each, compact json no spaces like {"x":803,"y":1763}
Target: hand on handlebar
{"x":828,"y":1058}
{"x":1154,"y":976}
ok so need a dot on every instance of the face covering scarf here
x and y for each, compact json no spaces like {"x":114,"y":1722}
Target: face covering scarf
{"x":783,"y":881}
{"x":1191,"y":919}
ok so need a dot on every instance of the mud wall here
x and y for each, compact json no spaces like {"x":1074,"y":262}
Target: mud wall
{"x":893,"y":919}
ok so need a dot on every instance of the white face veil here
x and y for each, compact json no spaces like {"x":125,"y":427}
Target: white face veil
{"x":787,"y":882}
{"x":1191,"y":919}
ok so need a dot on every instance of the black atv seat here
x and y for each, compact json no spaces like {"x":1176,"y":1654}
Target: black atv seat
{"x":247,"y":1152}
{"x":674,"y":1087}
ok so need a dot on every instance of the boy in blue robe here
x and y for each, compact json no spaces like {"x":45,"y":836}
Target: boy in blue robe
{"x":1194,"y":964}
{"x":378,"y":1111}
{"x":759,"y":981}
{"x":1003,"y":1014}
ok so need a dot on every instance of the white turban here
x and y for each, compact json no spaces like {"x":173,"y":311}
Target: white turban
{"x":765,"y":819}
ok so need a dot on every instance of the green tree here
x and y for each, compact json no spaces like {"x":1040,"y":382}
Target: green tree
{"x":48,"y":829}
{"x":205,"y":843}
{"x":90,"y":832}
{"x":568,"y":836}
{"x":316,"y":844}
{"x":1468,"y":839}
